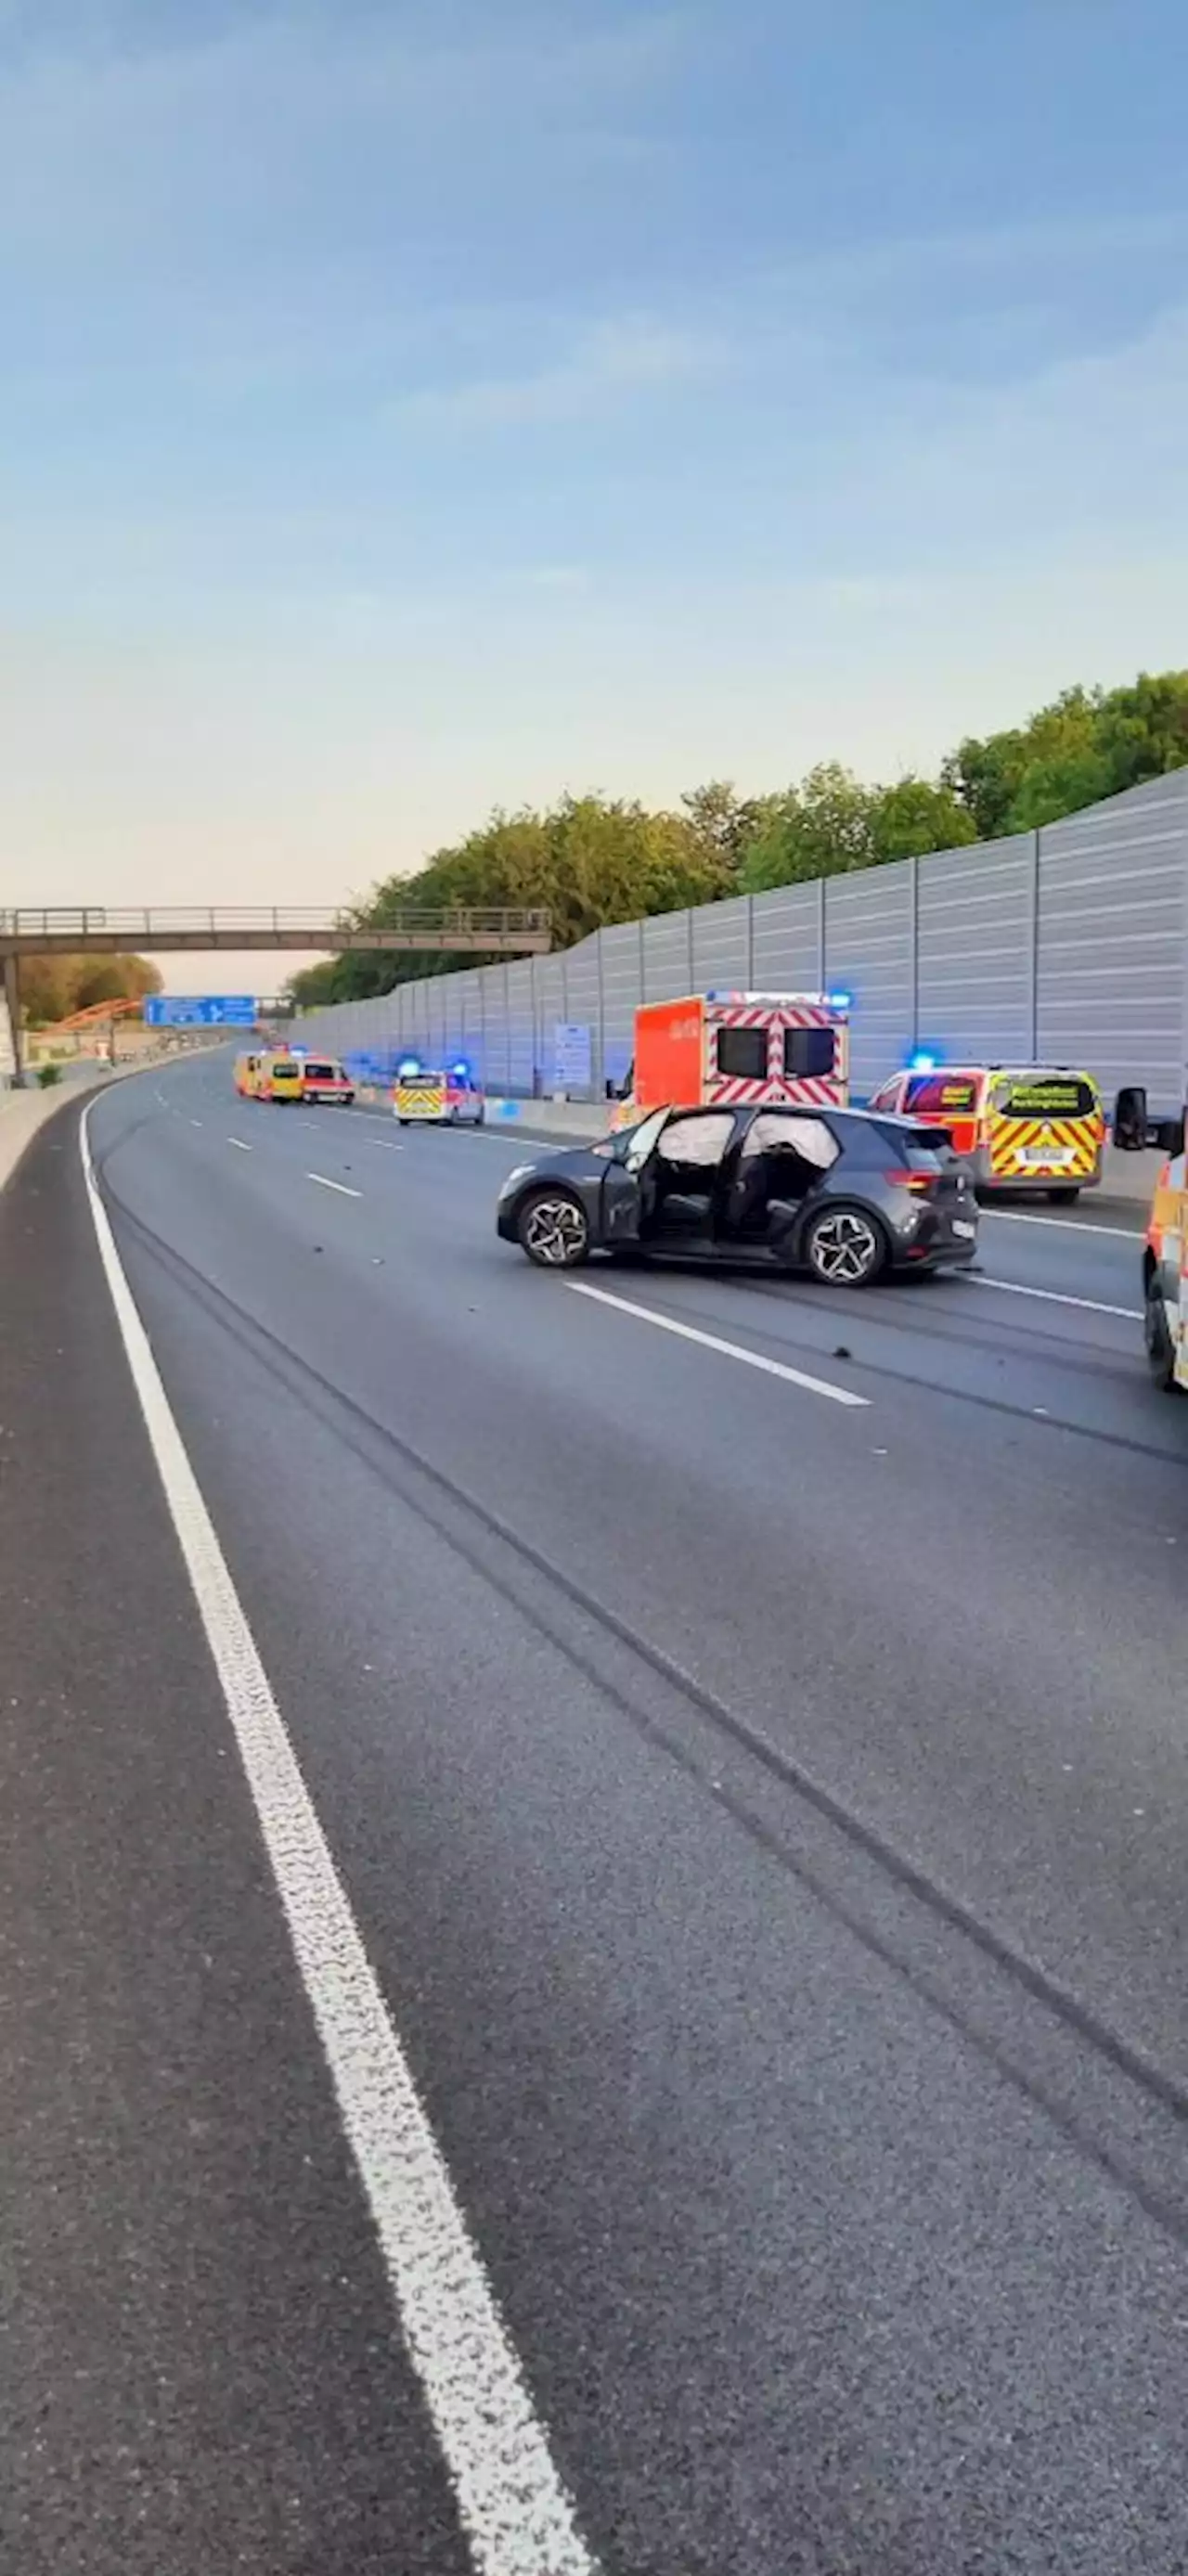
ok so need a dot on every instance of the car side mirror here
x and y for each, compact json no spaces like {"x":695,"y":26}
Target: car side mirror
{"x":1168,"y":1135}
{"x":1131,"y":1124}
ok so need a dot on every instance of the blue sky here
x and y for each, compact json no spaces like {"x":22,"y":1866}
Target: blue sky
{"x":408,"y":408}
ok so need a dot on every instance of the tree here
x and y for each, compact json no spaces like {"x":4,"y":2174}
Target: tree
{"x":1087,"y":744}
{"x":916,"y":816}
{"x":824,"y":827}
{"x":588,"y":860}
{"x":53,"y":987}
{"x":724,"y":826}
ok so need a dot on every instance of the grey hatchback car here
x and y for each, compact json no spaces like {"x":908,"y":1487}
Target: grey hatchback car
{"x":840,"y":1193}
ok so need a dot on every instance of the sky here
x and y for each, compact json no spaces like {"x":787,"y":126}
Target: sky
{"x":412,"y":409}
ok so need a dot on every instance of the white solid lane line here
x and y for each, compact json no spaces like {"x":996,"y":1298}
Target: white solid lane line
{"x":340,"y":1186}
{"x":513,"y":2508}
{"x":1050,"y":1296}
{"x":239,"y":1145}
{"x":714,"y":1342}
{"x":1066,"y":1224}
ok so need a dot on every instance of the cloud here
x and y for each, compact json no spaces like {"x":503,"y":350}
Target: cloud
{"x":612,"y":363}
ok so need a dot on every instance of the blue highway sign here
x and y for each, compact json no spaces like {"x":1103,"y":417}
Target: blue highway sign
{"x":200,"y":1011}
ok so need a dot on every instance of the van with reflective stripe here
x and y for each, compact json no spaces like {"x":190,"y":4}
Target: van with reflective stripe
{"x":1036,"y":1128}
{"x":1165,"y":1267}
{"x":281,"y":1076}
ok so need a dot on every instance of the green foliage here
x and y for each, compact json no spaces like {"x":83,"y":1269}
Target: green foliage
{"x":917,"y":815}
{"x":48,"y":1074}
{"x":1088,"y":744}
{"x":590,"y":860}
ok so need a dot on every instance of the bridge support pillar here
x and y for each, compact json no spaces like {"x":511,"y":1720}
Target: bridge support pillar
{"x":12,"y":996}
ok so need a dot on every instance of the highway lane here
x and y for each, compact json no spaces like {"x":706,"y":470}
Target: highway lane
{"x":764,"y":1815}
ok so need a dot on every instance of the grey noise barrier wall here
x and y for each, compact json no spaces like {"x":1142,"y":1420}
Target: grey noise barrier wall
{"x":1064,"y":946}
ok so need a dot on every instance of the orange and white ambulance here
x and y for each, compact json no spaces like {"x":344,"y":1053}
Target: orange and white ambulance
{"x":1031,"y":1127}
{"x":735,"y":1050}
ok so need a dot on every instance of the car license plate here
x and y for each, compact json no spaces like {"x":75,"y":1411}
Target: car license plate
{"x":1053,"y":1157}
{"x":962,"y":1226}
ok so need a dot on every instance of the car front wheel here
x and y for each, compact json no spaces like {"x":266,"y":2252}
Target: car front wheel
{"x":554,"y":1230}
{"x":1161,"y":1357}
{"x":845,"y":1248}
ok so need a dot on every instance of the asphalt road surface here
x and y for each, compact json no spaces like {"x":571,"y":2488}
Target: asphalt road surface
{"x":715,"y":2103}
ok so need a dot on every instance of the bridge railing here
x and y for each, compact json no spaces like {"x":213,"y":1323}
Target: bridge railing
{"x":144,"y":923}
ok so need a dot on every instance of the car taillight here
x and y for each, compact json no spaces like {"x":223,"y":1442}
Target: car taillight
{"x":920,"y":1182}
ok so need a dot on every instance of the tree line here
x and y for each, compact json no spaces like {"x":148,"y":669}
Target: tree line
{"x":52,"y":988}
{"x":592,"y":860}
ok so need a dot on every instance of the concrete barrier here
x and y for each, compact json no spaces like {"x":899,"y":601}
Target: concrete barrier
{"x":576,"y":1118}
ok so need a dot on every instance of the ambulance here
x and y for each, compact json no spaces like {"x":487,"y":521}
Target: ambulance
{"x":280,"y":1075}
{"x":447,"y":1096}
{"x":1034,"y":1127}
{"x":1165,"y":1267}
{"x":247,"y":1075}
{"x":736,"y":1050}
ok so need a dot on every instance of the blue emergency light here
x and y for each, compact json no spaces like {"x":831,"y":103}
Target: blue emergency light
{"x":921,"y":1063}
{"x":461,"y":1069}
{"x":408,"y":1064}
{"x":841,"y":1001}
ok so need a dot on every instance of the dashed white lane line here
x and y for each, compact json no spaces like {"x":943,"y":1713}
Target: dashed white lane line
{"x":512,"y":2506}
{"x":1064,"y":1224}
{"x":195,"y":1122}
{"x":380,"y":1145}
{"x":714,"y":1342}
{"x":340,"y":1186}
{"x":1051,"y":1296}
{"x":239,"y":1145}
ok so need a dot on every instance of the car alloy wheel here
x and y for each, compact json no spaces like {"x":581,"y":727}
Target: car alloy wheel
{"x":553,"y":1230}
{"x":845,"y":1249}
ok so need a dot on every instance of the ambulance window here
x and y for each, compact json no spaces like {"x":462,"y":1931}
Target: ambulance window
{"x":809,"y":1051}
{"x":697,"y":1142}
{"x":743,"y":1053}
{"x":319,"y":1073}
{"x":941,"y":1095}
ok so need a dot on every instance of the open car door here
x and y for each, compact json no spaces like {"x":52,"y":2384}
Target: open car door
{"x":626,"y":1190}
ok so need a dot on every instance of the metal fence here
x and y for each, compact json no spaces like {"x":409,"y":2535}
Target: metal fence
{"x":1067,"y":945}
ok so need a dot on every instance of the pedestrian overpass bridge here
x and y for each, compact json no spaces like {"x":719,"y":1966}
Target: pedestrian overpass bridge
{"x":477,"y":930}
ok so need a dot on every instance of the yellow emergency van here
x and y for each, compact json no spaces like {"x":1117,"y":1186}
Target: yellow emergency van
{"x":1165,"y":1266}
{"x":280,"y":1076}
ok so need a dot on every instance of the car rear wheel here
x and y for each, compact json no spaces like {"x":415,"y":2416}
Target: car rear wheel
{"x":1161,"y":1357}
{"x":845,"y":1248}
{"x":1063,"y":1198}
{"x":554,"y":1230}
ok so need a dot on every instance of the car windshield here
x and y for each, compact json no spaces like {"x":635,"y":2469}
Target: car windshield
{"x":1043,"y":1095}
{"x":321,"y":1073}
